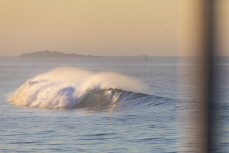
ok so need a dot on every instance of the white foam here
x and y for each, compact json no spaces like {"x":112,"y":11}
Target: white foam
{"x":64,"y":87}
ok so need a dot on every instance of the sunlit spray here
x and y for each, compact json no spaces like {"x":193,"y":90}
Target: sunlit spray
{"x":66,"y":87}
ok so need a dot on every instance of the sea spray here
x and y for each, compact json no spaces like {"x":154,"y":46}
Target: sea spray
{"x":68,"y":87}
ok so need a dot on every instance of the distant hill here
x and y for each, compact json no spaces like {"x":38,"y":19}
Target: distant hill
{"x":47,"y":53}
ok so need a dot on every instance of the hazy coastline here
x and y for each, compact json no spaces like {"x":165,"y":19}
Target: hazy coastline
{"x":48,"y":53}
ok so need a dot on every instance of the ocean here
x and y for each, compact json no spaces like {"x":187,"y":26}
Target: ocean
{"x":104,"y":104}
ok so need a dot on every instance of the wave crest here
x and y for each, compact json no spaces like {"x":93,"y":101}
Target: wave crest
{"x":73,"y":88}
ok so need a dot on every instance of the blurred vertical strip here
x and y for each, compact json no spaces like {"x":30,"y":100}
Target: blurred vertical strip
{"x":211,"y":52}
{"x":209,"y":69}
{"x":206,"y":71}
{"x":197,"y":85}
{"x":209,"y":59}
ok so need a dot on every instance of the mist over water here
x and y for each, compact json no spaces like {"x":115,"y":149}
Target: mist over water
{"x":67,"y":87}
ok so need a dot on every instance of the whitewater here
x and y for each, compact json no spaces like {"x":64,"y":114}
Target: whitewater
{"x":69,"y":87}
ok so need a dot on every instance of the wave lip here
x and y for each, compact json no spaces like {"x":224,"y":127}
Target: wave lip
{"x":74,"y":88}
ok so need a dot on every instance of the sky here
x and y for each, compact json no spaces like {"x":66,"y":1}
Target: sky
{"x":100,"y":27}
{"x":222,"y":11}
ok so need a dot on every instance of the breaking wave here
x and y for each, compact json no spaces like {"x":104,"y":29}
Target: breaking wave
{"x":77,"y":88}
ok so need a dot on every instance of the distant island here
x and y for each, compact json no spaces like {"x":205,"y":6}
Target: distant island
{"x":48,"y":53}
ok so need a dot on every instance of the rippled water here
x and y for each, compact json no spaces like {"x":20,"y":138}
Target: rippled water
{"x":139,"y":123}
{"x":220,"y":113}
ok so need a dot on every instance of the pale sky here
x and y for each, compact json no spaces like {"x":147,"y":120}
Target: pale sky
{"x":99,"y":27}
{"x":223,"y":27}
